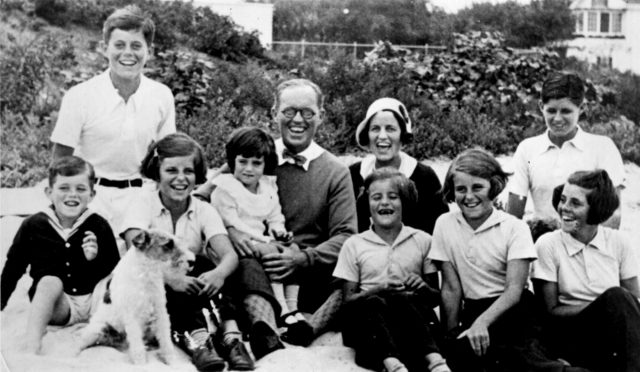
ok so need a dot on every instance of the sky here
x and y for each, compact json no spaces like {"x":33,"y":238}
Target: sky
{"x":452,"y":6}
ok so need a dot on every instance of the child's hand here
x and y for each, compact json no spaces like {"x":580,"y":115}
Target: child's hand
{"x":282,"y":236}
{"x":392,"y":285}
{"x":183,"y":283}
{"x":213,"y":282}
{"x":414,"y":282}
{"x":478,"y":335}
{"x":90,"y":245}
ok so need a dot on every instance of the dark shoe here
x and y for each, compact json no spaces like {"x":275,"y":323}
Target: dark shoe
{"x":238,"y":356}
{"x":299,"y":333}
{"x":263,"y":340}
{"x":204,"y":357}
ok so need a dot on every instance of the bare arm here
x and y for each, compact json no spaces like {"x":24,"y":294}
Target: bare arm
{"x":204,"y":191}
{"x":218,"y":250}
{"x":552,"y":305}
{"x":451,"y":296}
{"x":61,"y":150}
{"x":516,"y":205}
{"x":631,"y":285}
{"x":350,"y":289}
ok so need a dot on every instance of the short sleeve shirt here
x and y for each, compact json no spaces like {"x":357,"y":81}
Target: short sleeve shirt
{"x":480,"y":256}
{"x":194,"y":228}
{"x":111,"y":134}
{"x":584,"y":271}
{"x":539,"y":166}
{"x":366,"y":259}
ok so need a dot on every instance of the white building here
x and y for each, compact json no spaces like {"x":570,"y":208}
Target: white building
{"x":607,"y":33}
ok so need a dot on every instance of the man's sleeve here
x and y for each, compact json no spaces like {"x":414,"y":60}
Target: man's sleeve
{"x":70,"y":120}
{"x":611,"y":161}
{"x":520,"y":183}
{"x":168,"y":124}
{"x":342,"y":221}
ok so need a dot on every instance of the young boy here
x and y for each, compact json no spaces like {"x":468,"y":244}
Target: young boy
{"x":69,"y":248}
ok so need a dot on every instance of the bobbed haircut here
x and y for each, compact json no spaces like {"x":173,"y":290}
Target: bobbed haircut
{"x":298,"y":83}
{"x":478,"y":163}
{"x":171,"y":146}
{"x":405,"y":136}
{"x":129,"y":18}
{"x":603,"y":198}
{"x":250,"y":142}
{"x":560,"y":85}
{"x":68,"y":166}
{"x":406,"y":188}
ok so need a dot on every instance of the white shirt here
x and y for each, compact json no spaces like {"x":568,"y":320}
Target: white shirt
{"x":246,"y":211}
{"x":584,"y":271}
{"x":407,"y":165}
{"x":480,"y":256}
{"x":111,"y":134}
{"x":540,"y":166}
{"x":312,"y":152}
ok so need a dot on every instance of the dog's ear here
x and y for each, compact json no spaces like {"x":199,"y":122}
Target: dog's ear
{"x":141,"y":240}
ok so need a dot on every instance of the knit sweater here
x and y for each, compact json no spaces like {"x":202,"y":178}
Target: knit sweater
{"x":38,"y":244}
{"x":318,"y":206}
{"x":421,"y":216}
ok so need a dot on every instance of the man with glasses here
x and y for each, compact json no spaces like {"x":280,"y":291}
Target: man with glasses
{"x":317,"y":201}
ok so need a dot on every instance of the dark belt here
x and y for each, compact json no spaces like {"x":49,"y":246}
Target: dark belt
{"x":121,"y":184}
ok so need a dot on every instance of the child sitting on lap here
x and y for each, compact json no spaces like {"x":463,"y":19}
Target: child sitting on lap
{"x":248,"y":201}
{"x":389,"y":284}
{"x":70,"y":249}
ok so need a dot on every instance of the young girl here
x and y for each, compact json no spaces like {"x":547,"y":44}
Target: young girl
{"x":484,"y":255}
{"x":388,"y":290}
{"x":587,"y":276}
{"x":248,"y":201}
{"x":177,"y":164}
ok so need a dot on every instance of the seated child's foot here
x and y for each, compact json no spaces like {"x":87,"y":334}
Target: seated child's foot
{"x":299,"y":331}
{"x":392,"y":364}
{"x":439,"y":366}
{"x":234,"y":352}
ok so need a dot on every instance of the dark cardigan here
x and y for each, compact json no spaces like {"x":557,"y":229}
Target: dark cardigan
{"x":423,"y":216}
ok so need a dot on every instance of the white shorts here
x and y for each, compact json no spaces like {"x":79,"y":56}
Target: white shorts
{"x":83,"y":306}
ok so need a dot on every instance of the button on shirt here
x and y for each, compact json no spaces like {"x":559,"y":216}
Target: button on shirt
{"x":584,"y":271}
{"x":111,"y":134}
{"x":480,"y":256}
{"x":368,"y":260}
{"x":194,"y":228}
{"x":539,"y":166}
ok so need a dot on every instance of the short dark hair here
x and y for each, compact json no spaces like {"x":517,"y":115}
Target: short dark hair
{"x":560,"y":85}
{"x":249,"y":142}
{"x":478,"y":163}
{"x":405,"y":137}
{"x":71,"y":165}
{"x":406,"y":187}
{"x":171,"y":146}
{"x":129,"y":18}
{"x":298,"y":83}
{"x":603,"y":199}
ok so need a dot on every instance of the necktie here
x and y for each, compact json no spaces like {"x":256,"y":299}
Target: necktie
{"x":296,"y":159}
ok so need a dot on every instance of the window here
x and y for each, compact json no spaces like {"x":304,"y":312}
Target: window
{"x":616,"y":22}
{"x":604,"y":62}
{"x":579,"y":22}
{"x":592,"y":21}
{"x":604,"y":22}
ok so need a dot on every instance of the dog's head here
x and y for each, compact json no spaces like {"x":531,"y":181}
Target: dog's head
{"x":162,"y":246}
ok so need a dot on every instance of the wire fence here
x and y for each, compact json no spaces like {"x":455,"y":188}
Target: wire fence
{"x":304,"y":47}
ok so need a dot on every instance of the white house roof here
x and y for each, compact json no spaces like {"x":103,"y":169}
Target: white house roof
{"x":591,"y":4}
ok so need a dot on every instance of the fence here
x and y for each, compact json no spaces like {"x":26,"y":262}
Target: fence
{"x":304,"y":46}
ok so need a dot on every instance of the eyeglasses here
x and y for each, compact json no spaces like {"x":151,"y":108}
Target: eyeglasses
{"x":306,"y":113}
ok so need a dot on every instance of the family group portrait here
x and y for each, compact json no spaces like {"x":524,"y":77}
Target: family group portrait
{"x":320,"y":185}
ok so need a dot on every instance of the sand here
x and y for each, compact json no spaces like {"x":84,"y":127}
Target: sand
{"x":325,"y":354}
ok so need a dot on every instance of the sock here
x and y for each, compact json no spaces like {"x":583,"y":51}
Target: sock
{"x":259,"y":309}
{"x":322,"y":318}
{"x":230,"y":332}
{"x":279,"y":294}
{"x":392,"y":364}
{"x":199,"y":336}
{"x":437,"y":363}
{"x":291,"y":296}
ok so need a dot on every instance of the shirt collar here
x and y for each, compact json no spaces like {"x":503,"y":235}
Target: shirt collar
{"x":54,"y":221}
{"x":574,"y":246}
{"x":496,"y":217}
{"x":407,"y":165}
{"x":310,"y":153}
{"x":113,"y":92}
{"x":578,"y":141}
{"x":159,"y":209}
{"x":372,"y":237}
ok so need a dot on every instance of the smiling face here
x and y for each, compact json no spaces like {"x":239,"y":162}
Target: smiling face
{"x":385,"y":204}
{"x":127,"y":52}
{"x":70,"y":196}
{"x":297,"y":132}
{"x":384,"y":138}
{"x":471,"y":193}
{"x":177,"y":178}
{"x":573,"y":209}
{"x":561,"y":117}
{"x":248,"y":171}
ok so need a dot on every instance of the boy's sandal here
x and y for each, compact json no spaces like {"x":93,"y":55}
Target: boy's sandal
{"x":285,"y":320}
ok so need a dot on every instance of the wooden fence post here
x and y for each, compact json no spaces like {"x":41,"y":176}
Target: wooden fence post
{"x":302,"y":49}
{"x":355,"y":50}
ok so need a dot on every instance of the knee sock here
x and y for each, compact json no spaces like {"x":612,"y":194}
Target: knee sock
{"x":291,"y":295}
{"x":199,"y":336}
{"x":392,"y":364}
{"x":258,"y":309}
{"x":437,"y":363}
{"x":279,"y":294}
{"x":322,"y":318}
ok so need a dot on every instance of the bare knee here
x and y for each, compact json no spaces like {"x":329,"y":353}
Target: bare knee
{"x":49,"y":285}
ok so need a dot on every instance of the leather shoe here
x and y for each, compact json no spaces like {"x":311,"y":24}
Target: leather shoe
{"x":238,"y":356}
{"x":206,"y":359}
{"x":263,"y":340}
{"x":299,"y":333}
